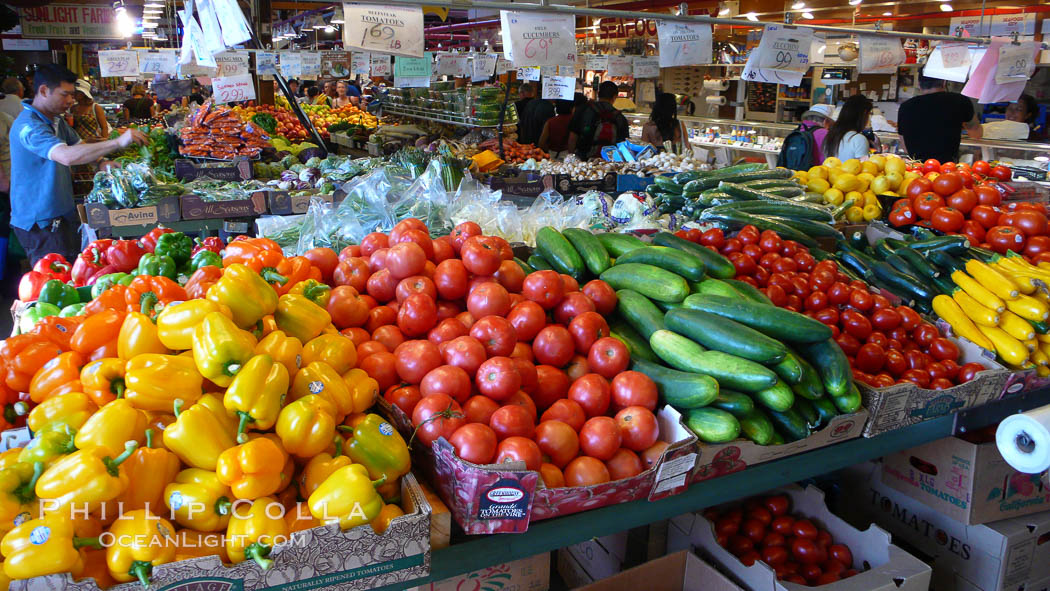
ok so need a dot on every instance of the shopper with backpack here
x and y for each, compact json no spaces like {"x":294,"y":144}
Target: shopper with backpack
{"x":598,"y":125}
{"x":803,"y":148}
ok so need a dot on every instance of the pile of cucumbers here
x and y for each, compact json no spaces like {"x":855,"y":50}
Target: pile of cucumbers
{"x":719,"y":351}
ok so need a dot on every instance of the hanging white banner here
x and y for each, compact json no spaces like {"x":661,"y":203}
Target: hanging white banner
{"x":620,"y":65}
{"x":646,"y":67}
{"x":782,"y":56}
{"x":683,"y":44}
{"x":396,"y":30}
{"x":538,"y":39}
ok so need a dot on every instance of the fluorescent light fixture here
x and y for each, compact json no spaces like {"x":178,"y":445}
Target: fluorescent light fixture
{"x":723,"y":11}
{"x":946,"y":7}
{"x":154,"y":4}
{"x":125,"y":25}
{"x":798,"y":6}
{"x":149,"y":25}
{"x":337,"y":18}
{"x":887,"y":14}
{"x":854,"y":2}
{"x":807,"y":15}
{"x":752,"y":17}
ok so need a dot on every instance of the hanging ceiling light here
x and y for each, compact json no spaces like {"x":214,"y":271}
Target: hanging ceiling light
{"x":854,"y":2}
{"x":887,"y":14}
{"x":149,"y":25}
{"x":798,"y":6}
{"x":807,"y":15}
{"x":154,"y":4}
{"x":752,"y":17}
{"x":329,"y":29}
{"x":946,"y":7}
{"x":125,"y":24}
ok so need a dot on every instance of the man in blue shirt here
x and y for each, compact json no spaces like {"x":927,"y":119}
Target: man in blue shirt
{"x":43,"y":147}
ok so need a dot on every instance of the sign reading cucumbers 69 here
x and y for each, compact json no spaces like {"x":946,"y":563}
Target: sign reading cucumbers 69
{"x":396,"y":30}
{"x":538,"y":39}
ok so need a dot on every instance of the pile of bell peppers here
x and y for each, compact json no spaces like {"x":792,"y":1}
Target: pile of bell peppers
{"x":157,"y":404}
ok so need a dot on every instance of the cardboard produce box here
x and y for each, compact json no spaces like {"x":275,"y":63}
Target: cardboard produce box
{"x":593,"y":559}
{"x":504,"y":498}
{"x":681,"y":571}
{"x":883,"y":566}
{"x":527,"y":574}
{"x":97,"y":215}
{"x":568,"y":186}
{"x":1010,"y":554}
{"x":238,"y":169}
{"x":319,"y":558}
{"x":195,"y":208}
{"x":525,"y":184}
{"x":283,"y":203}
{"x":968,"y":482}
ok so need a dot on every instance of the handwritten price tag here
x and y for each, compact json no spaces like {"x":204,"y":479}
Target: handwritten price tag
{"x":503,"y":65}
{"x":683,"y":44}
{"x":231,"y":63}
{"x":484,"y":66}
{"x":381,"y":65}
{"x":538,"y":39}
{"x":118,"y":63}
{"x":1016,"y":63}
{"x":559,"y":87}
{"x":311,"y":63}
{"x":620,"y":65}
{"x":529,"y":74}
{"x":954,"y":55}
{"x":449,"y":64}
{"x":413,"y":67}
{"x":388,"y":29}
{"x":595,"y":62}
{"x":291,"y":64}
{"x":782,"y":56}
{"x":233,"y":88}
{"x":265,"y":63}
{"x":646,"y":67}
{"x":157,"y":62}
{"x":359,"y":62}
{"x":880,"y":55}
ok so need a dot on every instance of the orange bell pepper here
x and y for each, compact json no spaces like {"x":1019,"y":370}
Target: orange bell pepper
{"x":56,"y":377}
{"x":294,"y":270}
{"x":95,"y":567}
{"x":151,"y":469}
{"x":299,"y":518}
{"x":7,"y":395}
{"x":23,"y":355}
{"x":203,"y":278}
{"x":252,"y":469}
{"x":96,"y":331}
{"x":190,"y":543}
{"x":254,"y":253}
{"x":113,"y":298}
{"x":58,"y":330}
{"x":103,"y":380}
{"x":149,"y":294}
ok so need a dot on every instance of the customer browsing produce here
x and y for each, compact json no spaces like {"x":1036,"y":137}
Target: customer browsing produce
{"x":845,"y":139}
{"x":931,"y":124}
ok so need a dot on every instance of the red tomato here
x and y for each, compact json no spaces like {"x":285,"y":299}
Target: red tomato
{"x":985,"y":215}
{"x":968,"y":372}
{"x":982,"y":168}
{"x":436,"y":416}
{"x":528,"y":319}
{"x":474,"y":443}
{"x":964,"y":200}
{"x":870,"y":358}
{"x":916,"y":376}
{"x":856,"y":324}
{"x":947,"y":184}
{"x":1036,"y":245}
{"x":776,"y":504}
{"x":804,"y":528}
{"x":519,"y":449}
{"x":574,"y":304}
{"x":479,"y":409}
{"x":743,"y":263}
{"x":1032,"y":223}
{"x":593,"y":393}
{"x":861,"y":299}
{"x":1005,"y":238}
{"x":544,"y":287}
{"x":498,"y":378}
{"x":927,"y":203}
{"x":741,"y":544}
{"x":1001,"y":173}
{"x":896,"y":363}
{"x":713,"y":237}
{"x":838,"y":293}
{"x":603,"y":296}
{"x":417,"y":315}
{"x":848,"y":343}
{"x":805,"y":550}
{"x":405,"y":259}
{"x":569,"y":283}
{"x":829,"y":316}
{"x":600,"y":437}
{"x":987,"y":195}
{"x":558,"y":440}
{"x":941,"y":348}
{"x":551,"y":385}
{"x":373,"y":242}
{"x":586,"y":329}
{"x":638,"y":428}
{"x":783,"y":524}
{"x":567,"y":411}
{"x":917,"y":187}
{"x":753,"y":250}
{"x":624,"y":464}
{"x":608,"y":357}
{"x":586,"y":471}
{"x":403,"y":397}
{"x":496,"y":334}
{"x":465,"y":352}
{"x":632,"y":388}
{"x":447,"y":379}
{"x":815,"y":301}
{"x":902,"y":216}
{"x":415,"y":359}
{"x":512,"y":420}
{"x":947,"y":219}
{"x":931,"y":165}
{"x":553,"y":346}
{"x":754,"y":529}
{"x":577,"y":368}
{"x":481,"y":255}
{"x":770,"y":241}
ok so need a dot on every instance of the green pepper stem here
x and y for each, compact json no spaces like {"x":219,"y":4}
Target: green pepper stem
{"x":380,"y":482}
{"x":21,"y":408}
{"x":113,"y":464}
{"x":117,"y":387}
{"x":178,"y":404}
{"x":245,"y":418}
{"x":10,"y":414}
{"x":259,"y":552}
{"x":141,"y":570}
{"x":27,"y":491}
{"x":232,"y":368}
{"x":222,"y":506}
{"x":79,"y":543}
{"x":338,"y":447}
{"x":345,"y":428}
{"x":270,"y":275}
{"x":149,"y":438}
{"x":147,"y":301}
{"x":316,"y":291}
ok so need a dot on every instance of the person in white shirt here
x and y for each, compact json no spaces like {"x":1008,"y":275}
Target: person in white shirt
{"x":845,"y":139}
{"x":13,"y":93}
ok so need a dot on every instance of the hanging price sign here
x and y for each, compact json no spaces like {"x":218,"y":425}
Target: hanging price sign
{"x":157,"y":62}
{"x":291,"y":64}
{"x":620,"y":65}
{"x":646,"y":67}
{"x":359,"y":63}
{"x":503,"y":65}
{"x":880,"y":55}
{"x":311,"y":64}
{"x":451,"y":64}
{"x":484,"y":66}
{"x":782,"y":56}
{"x":559,"y":88}
{"x":954,"y":55}
{"x":595,"y":62}
{"x":683,"y":44}
{"x":413,"y":67}
{"x":539,"y":39}
{"x":231,"y":63}
{"x":233,"y":88}
{"x":529,"y":74}
{"x":118,"y":63}
{"x":1016,"y":63}
{"x":388,"y":29}
{"x":381,"y":65}
{"x":265,"y":63}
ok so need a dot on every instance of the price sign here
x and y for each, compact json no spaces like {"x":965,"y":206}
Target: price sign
{"x":232,"y":63}
{"x":266,"y":63}
{"x":359,"y":63}
{"x":381,"y":65}
{"x":291,"y":64}
{"x":683,"y":44}
{"x":388,"y":29}
{"x":880,"y":55}
{"x":311,"y":64}
{"x":949,"y":61}
{"x":118,"y":63}
{"x":193,"y":46}
{"x":954,"y":55}
{"x":529,"y":74}
{"x":538,"y":39}
{"x":595,"y":62}
{"x":646,"y":67}
{"x":231,"y":89}
{"x":503,"y":65}
{"x":335,"y":64}
{"x":157,"y":62}
{"x":566,"y":71}
{"x":1016,"y":63}
{"x":548,"y":70}
{"x":559,"y":87}
{"x":782,"y":56}
{"x":620,"y":65}
{"x":413,"y":67}
{"x":484,"y":66}
{"x":451,"y":64}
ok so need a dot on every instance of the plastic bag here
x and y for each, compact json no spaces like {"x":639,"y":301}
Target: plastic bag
{"x":285,"y":230}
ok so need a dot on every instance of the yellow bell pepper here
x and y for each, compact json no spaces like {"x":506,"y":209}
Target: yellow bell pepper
{"x":252,"y":469}
{"x":300,"y":318}
{"x":110,"y":427}
{"x":49,"y":445}
{"x":286,"y":350}
{"x":88,"y":477}
{"x":201,"y":433}
{"x":306,"y":426}
{"x":364,"y":389}
{"x":256,"y":394}
{"x":17,"y":492}
{"x":138,"y":335}
{"x":220,"y":349}
{"x":71,"y":408}
{"x":198,"y":500}
{"x":176,"y":323}
{"x":142,"y":541}
{"x":320,"y":379}
{"x":154,"y":381}
{"x":348,"y":496}
{"x":248,"y":295}
{"x":387,"y":514}
{"x":319,"y":468}
{"x":313,"y":290}
{"x":103,"y":379}
{"x":43,"y":546}
{"x":10,"y":457}
{"x":266,"y":325}
{"x":150,"y":469}
{"x":190,"y":543}
{"x":253,"y":533}
{"x":298,"y":518}
{"x":334,"y":349}
{"x":375,"y":444}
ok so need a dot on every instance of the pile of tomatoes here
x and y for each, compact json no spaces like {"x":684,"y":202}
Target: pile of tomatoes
{"x":797,"y":550}
{"x":886,"y":344}
{"x":505,"y":366}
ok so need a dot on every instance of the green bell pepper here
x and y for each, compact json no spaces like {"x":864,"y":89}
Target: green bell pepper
{"x":156,"y":265}
{"x":35,"y":314}
{"x":72,"y":310}
{"x":84,"y":293}
{"x":205,"y":258}
{"x":176,"y":245}
{"x":49,"y":444}
{"x":107,"y":281}
{"x":58,"y":293}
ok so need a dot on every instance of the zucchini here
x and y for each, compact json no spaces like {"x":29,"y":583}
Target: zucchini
{"x":850,"y":402}
{"x":637,"y":346}
{"x":945,"y":261}
{"x":671,"y":259}
{"x":850,"y":259}
{"x":825,"y":409}
{"x":918,"y":262}
{"x":524,"y":266}
{"x":832,"y":365}
{"x":778,"y":398}
{"x":617,"y":244}
{"x":557,"y":249}
{"x":757,"y":427}
{"x":591,"y":251}
{"x":737,"y":404}
{"x":731,"y":371}
{"x":741,"y":192}
{"x":749,"y":291}
{"x":648,"y":280}
{"x":956,"y":245}
{"x":539,"y":263}
{"x":715,"y":287}
{"x":858,"y":240}
{"x":717,"y":266}
{"x":639,"y":312}
{"x":722,"y":334}
{"x":680,"y":389}
{"x":881,"y":249}
{"x":789,"y":369}
{"x":903,"y":284}
{"x":790,"y":424}
{"x":809,"y":227}
{"x":781,"y":324}
{"x":712,"y":425}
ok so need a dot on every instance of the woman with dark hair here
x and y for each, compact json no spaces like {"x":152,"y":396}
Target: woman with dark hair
{"x":663,"y":124}
{"x":555,"y":134}
{"x":139,"y":106}
{"x":845,"y":139}
{"x":1025,"y":111}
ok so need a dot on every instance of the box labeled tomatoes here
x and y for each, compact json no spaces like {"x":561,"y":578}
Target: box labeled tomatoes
{"x":885,"y":566}
{"x":505,"y":498}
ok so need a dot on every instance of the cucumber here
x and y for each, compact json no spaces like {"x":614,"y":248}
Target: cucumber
{"x":668,"y":184}
{"x":684,"y":177}
{"x":779,"y":397}
{"x":639,"y":312}
{"x":787,"y":209}
{"x":850,"y":402}
{"x":738,"y":219}
{"x":741,"y":192}
{"x":789,"y":369}
{"x":712,"y":180}
{"x":618,"y":244}
{"x":671,"y":259}
{"x":818,"y":229}
{"x":763,"y":184}
{"x":858,"y":240}
{"x":737,"y":169}
{"x":904,"y":285}
{"x":591,"y":251}
{"x":810,"y":386}
{"x":712,"y":425}
{"x":737,"y":404}
{"x":711,"y":286}
{"x":781,"y":324}
{"x":648,"y":280}
{"x":557,"y":249}
{"x":667,"y":306}
{"x":722,"y":334}
{"x":637,"y":346}
{"x":524,"y":266}
{"x":808,"y":412}
{"x":757,"y":427}
{"x":954,"y":245}
{"x":790,"y":424}
{"x":717,"y":265}
{"x":826,"y":409}
{"x":749,"y":291}
{"x":829,"y":360}
{"x":680,"y":389}
{"x":539,"y":263}
{"x":735,"y":373}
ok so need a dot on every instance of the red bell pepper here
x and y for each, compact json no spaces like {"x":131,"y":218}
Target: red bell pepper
{"x":124,"y":255}
{"x":149,"y":241}
{"x":212,"y":243}
{"x":30,"y":284}
{"x":101,"y":272}
{"x":55,"y":266}
{"x":90,"y":262}
{"x":202,"y":279}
